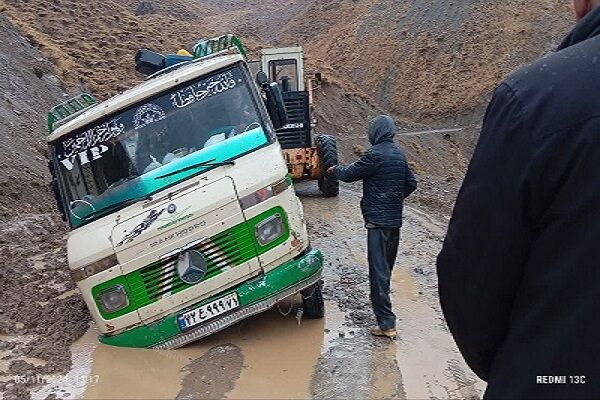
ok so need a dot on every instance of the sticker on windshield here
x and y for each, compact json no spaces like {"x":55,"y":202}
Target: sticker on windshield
{"x":91,"y":140}
{"x":129,"y":151}
{"x":148,"y":114}
{"x":203,"y":89}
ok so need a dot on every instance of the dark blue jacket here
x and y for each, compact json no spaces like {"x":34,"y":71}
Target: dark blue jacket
{"x":519,"y":273}
{"x":387,"y":178}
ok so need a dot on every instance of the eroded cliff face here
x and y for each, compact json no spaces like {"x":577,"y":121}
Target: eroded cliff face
{"x":38,"y":308}
{"x":28,"y":88}
{"x":421,"y":60}
{"x":424,"y":59}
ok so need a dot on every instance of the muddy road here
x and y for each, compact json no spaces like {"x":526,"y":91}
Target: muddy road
{"x":278,"y":355}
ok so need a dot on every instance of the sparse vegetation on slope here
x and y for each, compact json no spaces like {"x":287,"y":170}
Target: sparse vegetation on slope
{"x":428,"y":60}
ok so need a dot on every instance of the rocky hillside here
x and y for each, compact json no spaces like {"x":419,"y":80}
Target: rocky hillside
{"x":93,"y":48}
{"x":28,"y":88}
{"x":424,"y":60}
{"x":428,"y":60}
{"x":38,"y":309}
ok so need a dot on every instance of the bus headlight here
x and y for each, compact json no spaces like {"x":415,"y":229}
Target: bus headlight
{"x":269,"y":230}
{"x":113,"y":299}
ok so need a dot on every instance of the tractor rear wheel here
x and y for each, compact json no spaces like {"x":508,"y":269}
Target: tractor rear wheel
{"x":327,"y":150}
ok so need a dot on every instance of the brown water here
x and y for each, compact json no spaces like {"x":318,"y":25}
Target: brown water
{"x":273,"y":348}
{"x":272,"y":356}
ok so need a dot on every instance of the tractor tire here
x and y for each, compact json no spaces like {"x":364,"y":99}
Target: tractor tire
{"x":312,"y":300}
{"x":327,"y":150}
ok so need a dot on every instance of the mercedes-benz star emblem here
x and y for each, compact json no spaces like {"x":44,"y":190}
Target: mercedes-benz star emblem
{"x":171,"y":208}
{"x":191,"y":267}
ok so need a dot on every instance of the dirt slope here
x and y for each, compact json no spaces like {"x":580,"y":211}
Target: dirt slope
{"x":28,"y":87}
{"x":38,"y":310}
{"x":428,"y":60}
{"x":263,"y":20}
{"x":93,"y":48}
{"x":416,"y":60}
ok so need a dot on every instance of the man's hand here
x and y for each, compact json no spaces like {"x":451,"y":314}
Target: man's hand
{"x":358,"y":150}
{"x":331,"y":170}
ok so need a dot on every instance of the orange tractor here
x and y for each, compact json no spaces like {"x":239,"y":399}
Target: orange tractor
{"x":308,"y":155}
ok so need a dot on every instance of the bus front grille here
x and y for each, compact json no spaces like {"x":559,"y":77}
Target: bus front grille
{"x":222,"y":252}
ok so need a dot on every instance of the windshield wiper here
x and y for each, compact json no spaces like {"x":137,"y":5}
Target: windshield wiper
{"x":208,"y":163}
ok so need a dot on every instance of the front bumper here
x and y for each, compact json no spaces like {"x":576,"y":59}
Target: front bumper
{"x":256,"y":295}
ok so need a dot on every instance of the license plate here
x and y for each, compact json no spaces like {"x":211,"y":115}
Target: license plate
{"x":208,"y":311}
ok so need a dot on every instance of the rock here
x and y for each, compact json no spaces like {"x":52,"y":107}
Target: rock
{"x":53,"y":79}
{"x":144,"y":8}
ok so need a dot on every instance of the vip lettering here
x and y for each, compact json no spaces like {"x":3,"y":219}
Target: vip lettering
{"x":85,"y":157}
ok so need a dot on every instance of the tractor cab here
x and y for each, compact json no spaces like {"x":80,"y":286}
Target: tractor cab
{"x":285,"y":66}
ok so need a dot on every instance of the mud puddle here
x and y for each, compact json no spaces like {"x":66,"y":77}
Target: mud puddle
{"x":424,"y":361}
{"x":272,"y":356}
{"x":242,"y":361}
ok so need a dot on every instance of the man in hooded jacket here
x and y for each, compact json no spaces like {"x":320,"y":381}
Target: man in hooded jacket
{"x":387,"y":181}
{"x":519,"y":273}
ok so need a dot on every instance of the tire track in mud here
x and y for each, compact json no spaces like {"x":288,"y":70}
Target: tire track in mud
{"x":349,"y":365}
{"x":213,"y":374}
{"x":424,"y":361}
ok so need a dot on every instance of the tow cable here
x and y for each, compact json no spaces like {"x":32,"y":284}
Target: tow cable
{"x":300,"y":311}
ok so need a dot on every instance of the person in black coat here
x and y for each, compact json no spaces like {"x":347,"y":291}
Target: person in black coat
{"x":387,"y":181}
{"x":519,"y":272}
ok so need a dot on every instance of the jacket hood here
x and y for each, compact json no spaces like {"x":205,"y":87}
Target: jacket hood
{"x":381,"y":129}
{"x":587,"y":27}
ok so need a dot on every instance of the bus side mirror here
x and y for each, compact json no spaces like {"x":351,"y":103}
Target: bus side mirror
{"x":275,"y":104}
{"x":262,"y":79}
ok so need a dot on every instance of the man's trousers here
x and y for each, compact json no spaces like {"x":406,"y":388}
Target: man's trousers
{"x":382,"y":247}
